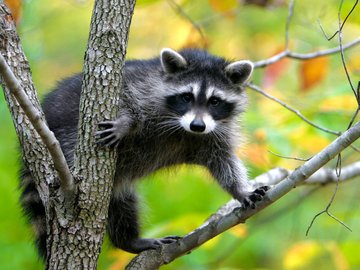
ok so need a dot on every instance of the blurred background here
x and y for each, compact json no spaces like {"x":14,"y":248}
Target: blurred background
{"x":54,"y":36}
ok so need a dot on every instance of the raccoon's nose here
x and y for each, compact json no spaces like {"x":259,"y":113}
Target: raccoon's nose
{"x":197,"y":125}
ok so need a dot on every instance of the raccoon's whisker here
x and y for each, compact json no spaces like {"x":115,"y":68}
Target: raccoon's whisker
{"x":168,"y":127}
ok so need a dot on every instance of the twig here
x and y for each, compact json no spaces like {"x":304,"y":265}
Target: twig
{"x":286,"y":157}
{"x":297,"y":112}
{"x":327,"y":209}
{"x":304,"y":56}
{"x":288,"y":21}
{"x":341,"y":25}
{"x":66,"y":179}
{"x":183,"y":14}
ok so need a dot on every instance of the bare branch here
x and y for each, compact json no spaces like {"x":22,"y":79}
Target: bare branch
{"x":341,"y":25}
{"x":66,"y":179}
{"x":304,"y":56}
{"x":297,"y":112}
{"x":288,"y":21}
{"x":327,"y":209}
{"x":286,"y":157}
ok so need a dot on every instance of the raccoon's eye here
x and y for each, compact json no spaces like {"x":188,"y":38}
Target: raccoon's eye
{"x":214,"y":101}
{"x":187,"y":97}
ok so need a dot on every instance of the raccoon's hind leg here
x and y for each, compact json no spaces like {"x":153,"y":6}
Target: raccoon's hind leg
{"x":123,"y":227}
{"x":34,"y":210}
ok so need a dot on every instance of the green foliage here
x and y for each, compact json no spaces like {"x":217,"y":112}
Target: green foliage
{"x":54,"y":35}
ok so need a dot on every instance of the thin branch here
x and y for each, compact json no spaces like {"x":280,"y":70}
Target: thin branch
{"x":341,"y":25}
{"x":288,"y":21}
{"x":183,"y":14}
{"x":66,"y":179}
{"x":220,"y":222}
{"x":327,"y":209}
{"x":286,"y":157}
{"x":297,"y":112}
{"x":304,"y":56}
{"x":321,"y":177}
{"x":354,"y":117}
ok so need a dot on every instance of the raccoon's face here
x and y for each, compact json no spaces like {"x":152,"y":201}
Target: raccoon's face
{"x":208,"y":90}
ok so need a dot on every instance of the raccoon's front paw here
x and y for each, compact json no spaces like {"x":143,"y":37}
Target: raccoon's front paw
{"x":109,"y":135}
{"x":256,"y":196}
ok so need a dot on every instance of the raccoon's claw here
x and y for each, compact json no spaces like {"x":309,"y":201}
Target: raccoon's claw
{"x":256,"y":196}
{"x":109,"y":136}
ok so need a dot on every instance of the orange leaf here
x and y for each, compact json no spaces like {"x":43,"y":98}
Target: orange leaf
{"x":274,"y":71}
{"x":15,"y":8}
{"x":312,"y":72}
{"x":223,"y":6}
{"x":195,"y":40}
{"x":257,"y":154}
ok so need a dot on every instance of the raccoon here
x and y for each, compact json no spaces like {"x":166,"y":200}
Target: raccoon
{"x":179,"y":108}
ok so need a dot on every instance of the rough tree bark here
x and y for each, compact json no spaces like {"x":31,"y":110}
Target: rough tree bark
{"x":80,"y":240}
{"x":76,"y":219}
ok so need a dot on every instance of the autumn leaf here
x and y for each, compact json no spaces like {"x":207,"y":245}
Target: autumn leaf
{"x":312,"y":72}
{"x":341,"y":102}
{"x":307,"y":254}
{"x":274,"y":71}
{"x":223,"y":6}
{"x":300,"y":254}
{"x":196,"y":40}
{"x":15,"y":7}
{"x":257,"y":154}
{"x":120,"y":259}
{"x":239,"y":231}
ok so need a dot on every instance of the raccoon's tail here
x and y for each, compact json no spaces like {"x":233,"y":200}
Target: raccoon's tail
{"x":33,"y":209}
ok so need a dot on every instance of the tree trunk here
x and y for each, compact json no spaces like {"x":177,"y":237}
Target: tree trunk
{"x":77,"y":245}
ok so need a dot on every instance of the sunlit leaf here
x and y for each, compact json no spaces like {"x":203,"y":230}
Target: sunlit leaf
{"x":338,"y":257}
{"x":299,"y":255}
{"x":308,"y":255}
{"x":313,"y":142}
{"x":257,"y":154}
{"x":15,"y":7}
{"x":312,"y":72}
{"x":196,"y":39}
{"x":239,"y":231}
{"x":344,"y":102}
{"x":121,"y":259}
{"x":223,"y":6}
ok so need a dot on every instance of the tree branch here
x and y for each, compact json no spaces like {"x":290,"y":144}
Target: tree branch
{"x":297,"y":112}
{"x":35,"y":154}
{"x":94,"y":166}
{"x":223,"y":220}
{"x":52,"y":144}
{"x":304,"y":56}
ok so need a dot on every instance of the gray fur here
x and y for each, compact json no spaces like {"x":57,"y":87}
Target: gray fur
{"x":149,"y":135}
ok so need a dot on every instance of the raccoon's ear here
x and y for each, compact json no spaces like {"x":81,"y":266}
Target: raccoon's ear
{"x":172,"y":61}
{"x":240,"y":71}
